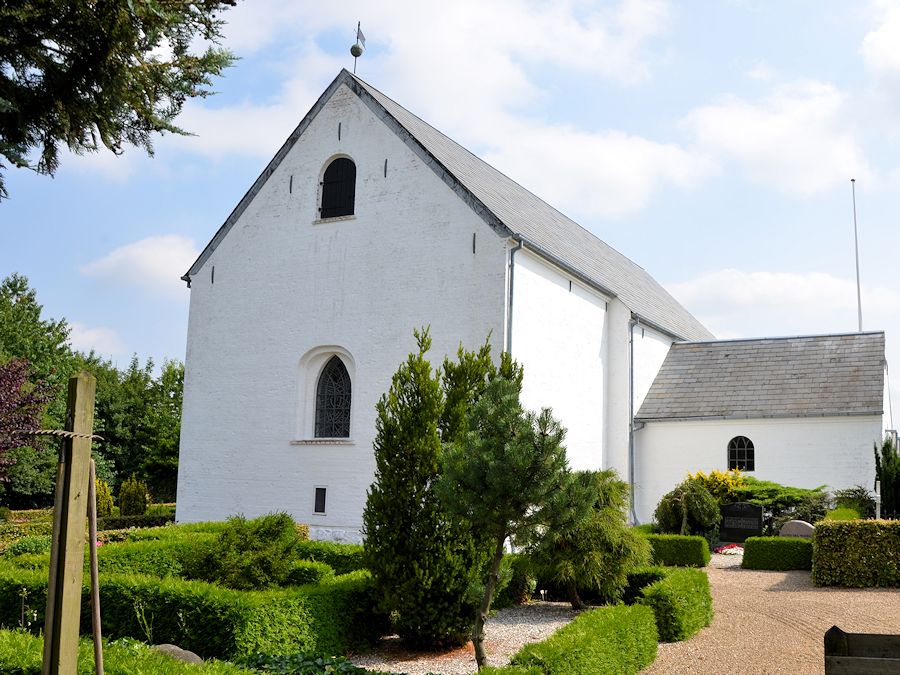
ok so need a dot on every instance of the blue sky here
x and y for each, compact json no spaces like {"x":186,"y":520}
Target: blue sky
{"x":711,"y":142}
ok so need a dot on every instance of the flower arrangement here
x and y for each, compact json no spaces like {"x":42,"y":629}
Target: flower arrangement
{"x":729,"y":549}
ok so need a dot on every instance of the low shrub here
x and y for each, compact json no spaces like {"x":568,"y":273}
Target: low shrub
{"x":301,"y":664}
{"x":309,"y":572}
{"x":133,"y":497}
{"x":640,"y":579}
{"x":843,"y":513}
{"x":647,"y":528}
{"x":857,"y":553}
{"x":522,"y":582}
{"x":676,"y":550}
{"x":104,"y":499}
{"x":125,"y":522}
{"x":777,"y":553}
{"x":21,"y":654}
{"x":612,"y":640}
{"x":5,"y":514}
{"x":32,"y":561}
{"x":29,"y":544}
{"x":151,"y":558}
{"x":681,"y":603}
{"x":720,"y":484}
{"x":688,"y":509}
{"x":331,"y":618}
{"x":170,"y":530}
{"x":343,"y":558}
{"x":857,"y":498}
{"x":782,"y":503}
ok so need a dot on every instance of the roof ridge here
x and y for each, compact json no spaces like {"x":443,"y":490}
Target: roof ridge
{"x":810,"y":336}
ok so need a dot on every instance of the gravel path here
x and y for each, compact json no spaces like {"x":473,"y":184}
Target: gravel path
{"x":766,"y":623}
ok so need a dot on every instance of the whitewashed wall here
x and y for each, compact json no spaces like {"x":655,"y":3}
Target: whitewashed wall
{"x":286,"y":283}
{"x":650,"y":349}
{"x":615,"y":455}
{"x":558,"y":336}
{"x":806,"y":452}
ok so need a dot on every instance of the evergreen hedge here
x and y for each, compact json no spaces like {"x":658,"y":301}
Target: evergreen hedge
{"x":639,"y":579}
{"x":328,"y":619}
{"x":777,"y":553}
{"x":309,"y":572}
{"x":681,"y":603}
{"x":145,"y":520}
{"x":856,"y":553}
{"x":677,"y":550}
{"x":611,"y":640}
{"x":342,"y":558}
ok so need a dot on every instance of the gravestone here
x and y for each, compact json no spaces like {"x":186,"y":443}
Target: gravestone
{"x":739,"y":521}
{"x":797,"y":528}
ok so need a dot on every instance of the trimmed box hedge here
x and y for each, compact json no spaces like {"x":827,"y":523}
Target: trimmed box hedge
{"x":328,"y":619}
{"x":677,"y":550}
{"x":777,"y":553}
{"x":342,"y":558}
{"x":681,"y":603}
{"x":639,"y":579}
{"x":146,"y":520}
{"x":611,"y":640}
{"x":21,"y":654}
{"x":856,"y":553}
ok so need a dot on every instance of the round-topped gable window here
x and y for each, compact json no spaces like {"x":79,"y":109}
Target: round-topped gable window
{"x":338,"y":189}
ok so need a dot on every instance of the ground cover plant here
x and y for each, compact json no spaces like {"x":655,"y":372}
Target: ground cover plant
{"x":777,"y":553}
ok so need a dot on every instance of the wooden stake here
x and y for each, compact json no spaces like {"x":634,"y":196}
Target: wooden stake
{"x":67,"y":552}
{"x":95,"y":573}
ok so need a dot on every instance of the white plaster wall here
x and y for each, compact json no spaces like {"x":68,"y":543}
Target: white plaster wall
{"x":805,"y":452}
{"x":650,"y":349}
{"x":558,"y":336}
{"x":286,"y":283}
{"x":617,"y":409}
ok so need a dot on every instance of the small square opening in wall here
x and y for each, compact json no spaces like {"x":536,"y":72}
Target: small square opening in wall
{"x":319,"y":506}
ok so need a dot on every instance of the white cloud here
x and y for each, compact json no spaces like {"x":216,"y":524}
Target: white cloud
{"x":102,"y":340}
{"x":796,"y":140}
{"x":879,"y":46}
{"x":154,"y":264}
{"x":733,"y":303}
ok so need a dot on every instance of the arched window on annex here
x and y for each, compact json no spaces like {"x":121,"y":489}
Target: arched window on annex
{"x":741,"y":454}
{"x":338,"y":189}
{"x":333,"y":398}
{"x":325,"y":397}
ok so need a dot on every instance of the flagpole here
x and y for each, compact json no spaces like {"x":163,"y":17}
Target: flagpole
{"x":856,"y":248}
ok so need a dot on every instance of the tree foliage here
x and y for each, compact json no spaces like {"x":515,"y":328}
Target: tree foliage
{"x":21,"y":406}
{"x":507,"y":476}
{"x":688,"y":509}
{"x":86,"y":74}
{"x":887,"y":470}
{"x":423,"y":561}
{"x":596,"y":553}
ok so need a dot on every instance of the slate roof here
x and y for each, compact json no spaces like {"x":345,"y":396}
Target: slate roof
{"x":818,"y":375}
{"x":510,"y":209}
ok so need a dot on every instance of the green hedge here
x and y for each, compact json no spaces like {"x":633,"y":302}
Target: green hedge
{"x":179,"y":531}
{"x":857,"y":553}
{"x":612,"y":640}
{"x":639,"y":579}
{"x":676,"y":550}
{"x":343,"y":558}
{"x":21,"y":654}
{"x":146,"y":520}
{"x":777,"y":553}
{"x":164,"y":558}
{"x":309,"y":572}
{"x":328,"y":619}
{"x":681,"y":602}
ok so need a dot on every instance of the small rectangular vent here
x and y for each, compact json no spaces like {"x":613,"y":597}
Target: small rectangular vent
{"x":319,"y":506}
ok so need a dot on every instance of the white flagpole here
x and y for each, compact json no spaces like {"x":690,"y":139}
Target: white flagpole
{"x":856,"y":247}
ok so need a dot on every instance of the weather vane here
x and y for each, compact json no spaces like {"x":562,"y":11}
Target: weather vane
{"x":357,"y":49}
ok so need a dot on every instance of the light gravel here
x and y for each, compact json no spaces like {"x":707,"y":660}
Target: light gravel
{"x":766,"y":623}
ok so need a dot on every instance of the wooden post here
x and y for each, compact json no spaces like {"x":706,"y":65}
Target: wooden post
{"x":70,"y":511}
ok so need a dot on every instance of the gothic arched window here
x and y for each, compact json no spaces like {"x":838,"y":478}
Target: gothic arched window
{"x":741,"y":453}
{"x":333,"y":401}
{"x":338,"y":189}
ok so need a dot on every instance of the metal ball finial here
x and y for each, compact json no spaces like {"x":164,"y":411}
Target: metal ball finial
{"x":356,"y":51}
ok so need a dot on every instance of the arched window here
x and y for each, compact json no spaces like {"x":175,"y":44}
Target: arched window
{"x":333,"y":401}
{"x":740,"y":453}
{"x":338,"y":189}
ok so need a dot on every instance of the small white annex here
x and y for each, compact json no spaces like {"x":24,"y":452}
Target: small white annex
{"x":366,"y":224}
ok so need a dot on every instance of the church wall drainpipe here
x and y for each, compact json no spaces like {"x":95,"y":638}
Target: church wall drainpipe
{"x":631,"y":325}
{"x":509,"y":313}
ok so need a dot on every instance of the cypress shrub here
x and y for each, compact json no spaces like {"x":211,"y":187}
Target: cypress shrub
{"x":777,"y":553}
{"x":613,"y":640}
{"x":676,"y":550}
{"x":856,"y":553}
{"x":104,"y":499}
{"x":133,"y":499}
{"x":681,"y":602}
{"x":887,"y":470}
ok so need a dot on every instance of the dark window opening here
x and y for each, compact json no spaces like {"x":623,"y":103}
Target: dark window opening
{"x":333,"y":401}
{"x":741,"y":454}
{"x":320,"y":500}
{"x":338,"y":189}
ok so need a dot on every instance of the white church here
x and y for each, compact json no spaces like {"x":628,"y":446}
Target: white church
{"x":369,"y":223}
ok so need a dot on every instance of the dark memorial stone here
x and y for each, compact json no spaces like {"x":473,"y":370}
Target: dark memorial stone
{"x":740,"y":521}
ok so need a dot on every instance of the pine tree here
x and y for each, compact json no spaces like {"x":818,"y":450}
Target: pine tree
{"x":887,"y":470}
{"x":423,"y":562}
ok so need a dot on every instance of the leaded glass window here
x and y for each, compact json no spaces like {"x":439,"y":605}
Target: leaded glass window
{"x":338,"y":189}
{"x":741,"y":454}
{"x":333,"y":401}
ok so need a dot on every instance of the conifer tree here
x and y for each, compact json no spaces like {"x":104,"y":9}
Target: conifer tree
{"x":507,"y":476}
{"x":423,"y":562}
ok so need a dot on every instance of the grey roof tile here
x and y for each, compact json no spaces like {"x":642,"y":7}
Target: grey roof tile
{"x":770,"y":377}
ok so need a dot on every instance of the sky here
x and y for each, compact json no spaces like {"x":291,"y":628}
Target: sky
{"x":713,"y":143}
